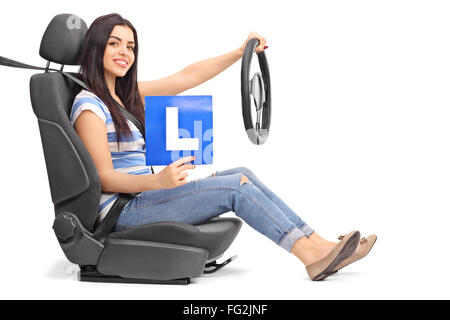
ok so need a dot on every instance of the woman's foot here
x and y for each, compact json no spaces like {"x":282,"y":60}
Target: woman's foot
{"x":364,"y":247}
{"x":309,"y":251}
{"x":321,"y":241}
{"x":345,"y":248}
{"x":321,"y":259}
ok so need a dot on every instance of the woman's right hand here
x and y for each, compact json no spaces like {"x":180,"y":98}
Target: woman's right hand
{"x":262,"y":43}
{"x":173,"y":176}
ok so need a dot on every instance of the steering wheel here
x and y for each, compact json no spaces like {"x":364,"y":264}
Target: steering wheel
{"x":258,"y":88}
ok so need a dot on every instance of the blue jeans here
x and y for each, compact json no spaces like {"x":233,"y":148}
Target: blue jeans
{"x":203,"y":199}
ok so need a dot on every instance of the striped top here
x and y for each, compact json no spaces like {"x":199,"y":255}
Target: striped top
{"x":127,"y":157}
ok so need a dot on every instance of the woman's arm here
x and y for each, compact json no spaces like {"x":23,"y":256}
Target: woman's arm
{"x":196,"y":73}
{"x":92,"y":132}
{"x":189,"y":77}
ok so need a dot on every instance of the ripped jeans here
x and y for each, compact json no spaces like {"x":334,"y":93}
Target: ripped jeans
{"x":200,"y":200}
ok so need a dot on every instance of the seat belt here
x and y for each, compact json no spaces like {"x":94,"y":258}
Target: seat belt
{"x":104,"y":228}
{"x":16,"y":64}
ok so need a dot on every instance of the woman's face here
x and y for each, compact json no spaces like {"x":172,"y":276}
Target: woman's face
{"x":119,"y":51}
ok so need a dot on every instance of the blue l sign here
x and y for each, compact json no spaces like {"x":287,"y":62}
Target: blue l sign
{"x":178,"y":126}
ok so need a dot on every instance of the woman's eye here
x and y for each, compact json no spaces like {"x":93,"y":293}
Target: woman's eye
{"x":131,"y":48}
{"x":113,"y":43}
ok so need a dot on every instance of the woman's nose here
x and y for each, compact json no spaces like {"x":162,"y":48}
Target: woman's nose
{"x":123,"y":50}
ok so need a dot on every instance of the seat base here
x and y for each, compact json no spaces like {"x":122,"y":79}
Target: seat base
{"x":90,"y":274}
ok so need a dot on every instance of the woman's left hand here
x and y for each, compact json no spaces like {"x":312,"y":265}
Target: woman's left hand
{"x":262,"y":42}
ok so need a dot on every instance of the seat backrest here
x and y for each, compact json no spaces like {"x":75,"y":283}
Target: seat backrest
{"x":74,"y":182}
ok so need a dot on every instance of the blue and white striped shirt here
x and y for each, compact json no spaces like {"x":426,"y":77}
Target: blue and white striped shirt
{"x":127,"y":157}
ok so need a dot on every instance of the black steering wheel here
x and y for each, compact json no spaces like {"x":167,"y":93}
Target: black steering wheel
{"x":257,"y":87}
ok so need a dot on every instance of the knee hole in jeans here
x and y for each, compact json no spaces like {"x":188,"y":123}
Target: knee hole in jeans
{"x":244,"y":179}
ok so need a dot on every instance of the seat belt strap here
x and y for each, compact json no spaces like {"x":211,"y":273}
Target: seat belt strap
{"x":106,"y":226}
{"x":16,"y":64}
{"x":132,"y":118}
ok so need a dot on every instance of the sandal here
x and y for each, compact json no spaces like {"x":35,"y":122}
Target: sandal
{"x":321,"y":269}
{"x":364,"y":247}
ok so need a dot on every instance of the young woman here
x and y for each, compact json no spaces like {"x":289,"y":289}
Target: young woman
{"x":109,"y":67}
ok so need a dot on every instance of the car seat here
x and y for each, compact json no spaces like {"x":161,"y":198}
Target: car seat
{"x":164,"y":252}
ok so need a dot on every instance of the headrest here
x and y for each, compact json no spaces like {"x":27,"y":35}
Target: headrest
{"x":63,"y":39}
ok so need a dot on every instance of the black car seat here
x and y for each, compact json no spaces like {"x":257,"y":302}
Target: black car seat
{"x":164,"y":252}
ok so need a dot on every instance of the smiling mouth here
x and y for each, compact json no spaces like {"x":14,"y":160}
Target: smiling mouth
{"x":121,"y":63}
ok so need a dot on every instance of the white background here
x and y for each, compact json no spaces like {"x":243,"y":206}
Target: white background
{"x":359,"y":140}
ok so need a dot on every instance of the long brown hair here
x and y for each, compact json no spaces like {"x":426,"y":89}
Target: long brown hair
{"x":94,"y":76}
